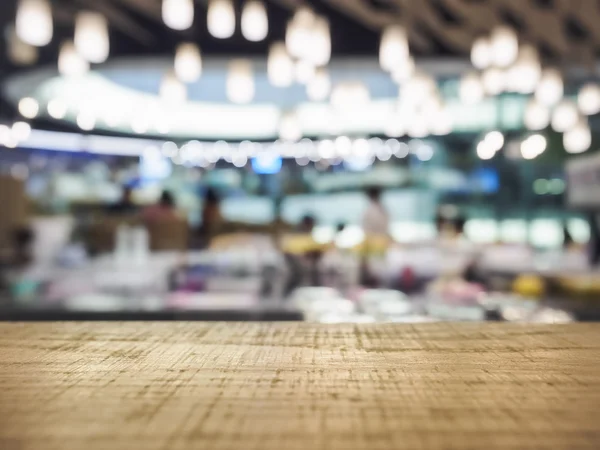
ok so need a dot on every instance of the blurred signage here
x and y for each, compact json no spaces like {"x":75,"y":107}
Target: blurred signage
{"x":583,"y":182}
{"x":153,"y":165}
{"x":267,"y":163}
{"x":381,"y":176}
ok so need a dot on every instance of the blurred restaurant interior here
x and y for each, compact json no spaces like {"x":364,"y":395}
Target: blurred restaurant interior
{"x":326,"y":160}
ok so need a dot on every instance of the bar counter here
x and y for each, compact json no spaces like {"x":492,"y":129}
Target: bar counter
{"x":151,"y":386}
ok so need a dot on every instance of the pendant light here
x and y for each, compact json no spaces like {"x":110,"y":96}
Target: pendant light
{"x":70,"y":62}
{"x":550,"y":89}
{"x":34,"y":22}
{"x":393,"y":49}
{"x":188,"y":62}
{"x":86,"y":120}
{"x":299,"y":33}
{"x":319,"y":43}
{"x":178,"y":14}
{"x":524,"y":75}
{"x":91,"y":36}
{"x":57,"y":109}
{"x":578,"y":139}
{"x":280,"y":67}
{"x":255,"y":23}
{"x":221,"y":18}
{"x":240,"y":81}
{"x":533,"y":146}
{"x":481,"y":53}
{"x":20,"y":131}
{"x":505,"y":46}
{"x":589,"y":99}
{"x":29,"y":107}
{"x":565,"y":116}
{"x":537,"y":116}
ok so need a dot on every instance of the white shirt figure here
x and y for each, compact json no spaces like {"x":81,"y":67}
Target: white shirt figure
{"x":376,"y":220}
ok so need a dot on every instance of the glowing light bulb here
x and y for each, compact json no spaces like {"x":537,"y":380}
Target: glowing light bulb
{"x":505,"y":46}
{"x":524,"y":75}
{"x":29,"y":107}
{"x":537,"y":116}
{"x":70,"y":62}
{"x":533,"y":146}
{"x":280,"y":67}
{"x":178,"y":14}
{"x":550,"y":89}
{"x":255,"y":24}
{"x":240,"y":81}
{"x":34,"y":22}
{"x":393,"y":50}
{"x":221,"y":19}
{"x":299,"y":34}
{"x":188,"y":62}
{"x":57,"y":109}
{"x":578,"y":139}
{"x":481,"y":53}
{"x":565,"y":116}
{"x":91,"y":37}
{"x":589,"y":99}
{"x":20,"y":131}
{"x":86,"y":120}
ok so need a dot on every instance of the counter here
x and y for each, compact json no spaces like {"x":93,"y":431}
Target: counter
{"x":154,"y":386}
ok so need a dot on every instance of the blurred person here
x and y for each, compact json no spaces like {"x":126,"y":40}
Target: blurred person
{"x":307,"y":224}
{"x":376,"y":223}
{"x":125,"y":205}
{"x":21,"y":248}
{"x":594,"y":244}
{"x":164,"y":209}
{"x":459,"y":227}
{"x":568,"y":241}
{"x":211,"y":217}
{"x":376,"y":220}
{"x":302,"y":255}
{"x":440,"y":224}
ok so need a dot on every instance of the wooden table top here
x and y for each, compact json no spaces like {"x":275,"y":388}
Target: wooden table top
{"x":88,"y":386}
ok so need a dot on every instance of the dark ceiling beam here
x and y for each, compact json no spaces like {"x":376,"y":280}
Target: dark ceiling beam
{"x":149,"y":8}
{"x":120,"y":20}
{"x":365,"y":15}
{"x":374,"y":20}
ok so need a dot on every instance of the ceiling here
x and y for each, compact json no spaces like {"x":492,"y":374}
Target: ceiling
{"x":565,"y":31}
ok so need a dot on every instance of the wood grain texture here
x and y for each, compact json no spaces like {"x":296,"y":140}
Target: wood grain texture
{"x":88,"y":386}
